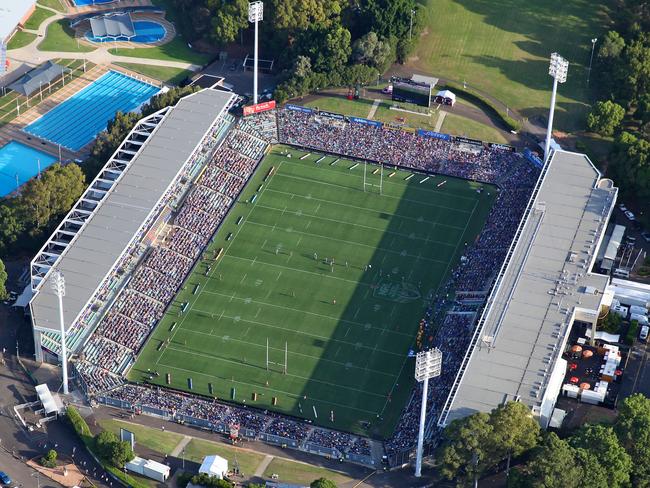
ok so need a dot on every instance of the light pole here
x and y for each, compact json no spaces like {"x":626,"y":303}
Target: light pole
{"x":58,"y":285}
{"x":558,"y":70}
{"x":427,"y":365}
{"x":411,"y":25}
{"x":255,"y":15}
{"x":591,"y":58}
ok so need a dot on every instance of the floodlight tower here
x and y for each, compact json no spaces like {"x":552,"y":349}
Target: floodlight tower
{"x":58,"y":285}
{"x":558,"y":70}
{"x":427,"y":365}
{"x":255,"y":15}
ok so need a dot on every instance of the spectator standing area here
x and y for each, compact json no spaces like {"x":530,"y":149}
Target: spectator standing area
{"x":340,"y":276}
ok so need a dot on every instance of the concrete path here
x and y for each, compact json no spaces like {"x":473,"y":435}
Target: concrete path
{"x":263,"y":465}
{"x":373,"y":109}
{"x":32,"y":55}
{"x":180,"y":446}
{"x":441,"y":118}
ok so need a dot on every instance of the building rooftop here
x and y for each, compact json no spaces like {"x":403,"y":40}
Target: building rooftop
{"x":98,"y":245}
{"x":545,"y":286}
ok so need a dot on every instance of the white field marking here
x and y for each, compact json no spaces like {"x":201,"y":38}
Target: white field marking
{"x":221,"y":315}
{"x":299,"y":239}
{"x":347,"y":332}
{"x":400,"y":199}
{"x":365,"y":209}
{"x":384,"y":231}
{"x":253,"y":261}
{"x":308,"y":334}
{"x":308,"y":224}
{"x":271,"y":389}
{"x":305,"y":378}
{"x":301,"y":312}
{"x":373,"y":109}
{"x":232,"y":296}
{"x":279,"y":274}
{"x":258,"y":311}
{"x":387,"y":182}
{"x":356,"y":313}
{"x":264,"y":243}
{"x":294,"y":353}
{"x":242,"y":279}
{"x":353,"y":243}
{"x":297,"y":270}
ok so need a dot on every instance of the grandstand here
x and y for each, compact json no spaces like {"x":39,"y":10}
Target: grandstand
{"x":121,"y":212}
{"x":543,"y":287}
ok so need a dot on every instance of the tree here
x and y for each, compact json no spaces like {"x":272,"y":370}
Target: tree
{"x":3,"y":281}
{"x":514,"y":431}
{"x":602,"y":442}
{"x":551,"y":465}
{"x":465,"y":453}
{"x":370,"y":50}
{"x":631,"y":165}
{"x":230,"y":18}
{"x":300,"y":15}
{"x":633,"y":430}
{"x":302,"y":67}
{"x":104,"y":442}
{"x":327,"y":47}
{"x":595,"y":473}
{"x":322,"y":483}
{"x":643,"y":108}
{"x":605,"y":117}
{"x":49,"y":460}
{"x":204,"y":479}
{"x":10,"y":228}
{"x":611,"y":47}
{"x":389,"y":18}
{"x":121,"y":453}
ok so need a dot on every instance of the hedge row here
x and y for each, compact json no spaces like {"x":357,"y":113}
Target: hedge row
{"x":479,"y":99}
{"x":79,"y":424}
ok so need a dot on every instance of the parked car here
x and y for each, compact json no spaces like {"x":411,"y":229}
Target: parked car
{"x":622,"y":207}
{"x":4,"y":478}
{"x":643,"y":335}
{"x":630,"y":215}
{"x":646,"y":236}
{"x":388,"y":90}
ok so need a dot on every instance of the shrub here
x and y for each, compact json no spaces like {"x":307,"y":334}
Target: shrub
{"x":49,"y":460}
{"x":79,"y":424}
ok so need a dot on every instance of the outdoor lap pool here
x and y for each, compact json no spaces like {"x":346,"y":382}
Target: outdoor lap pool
{"x":82,"y":3}
{"x":20,"y":163}
{"x":146,"y":32}
{"x":78,"y":120}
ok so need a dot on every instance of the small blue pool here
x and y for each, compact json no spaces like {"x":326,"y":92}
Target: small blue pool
{"x":82,"y":3}
{"x":146,"y":32}
{"x":20,"y":163}
{"x":78,"y":120}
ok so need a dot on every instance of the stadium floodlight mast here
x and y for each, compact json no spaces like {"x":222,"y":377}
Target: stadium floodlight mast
{"x":428,"y":364}
{"x":58,"y":285}
{"x":591,"y":58}
{"x":558,"y":71}
{"x":255,"y":15}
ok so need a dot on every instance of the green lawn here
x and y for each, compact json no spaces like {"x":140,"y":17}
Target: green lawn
{"x":59,"y":37}
{"x":171,"y":76}
{"x":175,"y":50}
{"x":37,"y":18}
{"x":454,"y":124}
{"x":155,"y":439}
{"x":248,"y":461}
{"x":348,"y":326}
{"x":20,"y":39}
{"x":304,"y":474}
{"x":502,"y":47}
{"x":55,"y":4}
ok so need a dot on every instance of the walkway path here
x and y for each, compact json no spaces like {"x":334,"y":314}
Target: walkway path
{"x":373,"y":109}
{"x":32,"y":55}
{"x":263,"y":465}
{"x":181,"y":445}
{"x":441,"y":118}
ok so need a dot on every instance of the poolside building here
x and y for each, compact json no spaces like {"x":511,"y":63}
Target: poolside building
{"x":13,"y":14}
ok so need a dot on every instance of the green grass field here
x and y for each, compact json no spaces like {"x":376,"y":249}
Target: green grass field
{"x":60,"y":37}
{"x":20,"y":39}
{"x":172,"y":76}
{"x":37,"y":18}
{"x":502,"y":47}
{"x":349,"y":326}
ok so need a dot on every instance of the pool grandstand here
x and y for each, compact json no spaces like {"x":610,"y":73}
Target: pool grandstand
{"x":146,"y":220}
{"x":94,"y":105}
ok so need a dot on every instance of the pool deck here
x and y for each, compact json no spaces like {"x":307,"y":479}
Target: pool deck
{"x":14,"y":129}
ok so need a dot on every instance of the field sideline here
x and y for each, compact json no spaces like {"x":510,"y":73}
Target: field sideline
{"x":339,"y":275}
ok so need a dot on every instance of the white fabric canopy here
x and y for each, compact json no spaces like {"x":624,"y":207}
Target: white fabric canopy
{"x":214,"y":466}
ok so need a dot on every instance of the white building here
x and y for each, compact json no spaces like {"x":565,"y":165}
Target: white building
{"x":13,"y":14}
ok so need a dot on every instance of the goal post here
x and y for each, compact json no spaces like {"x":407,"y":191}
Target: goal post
{"x":368,"y":184}
{"x":270,"y":363}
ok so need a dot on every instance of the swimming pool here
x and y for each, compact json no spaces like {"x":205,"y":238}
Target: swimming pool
{"x":81,"y":3}
{"x":78,"y":120}
{"x":20,"y":162}
{"x":146,"y":32}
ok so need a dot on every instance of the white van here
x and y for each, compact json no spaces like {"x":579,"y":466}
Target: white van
{"x":621,"y":273}
{"x":643,"y":335}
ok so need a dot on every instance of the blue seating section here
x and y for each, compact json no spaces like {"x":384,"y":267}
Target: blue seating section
{"x":78,"y":120}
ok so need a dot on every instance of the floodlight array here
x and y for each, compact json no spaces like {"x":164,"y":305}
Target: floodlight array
{"x":558,"y":67}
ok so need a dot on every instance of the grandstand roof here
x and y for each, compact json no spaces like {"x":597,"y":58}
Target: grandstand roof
{"x":546,"y":284}
{"x":100,"y":243}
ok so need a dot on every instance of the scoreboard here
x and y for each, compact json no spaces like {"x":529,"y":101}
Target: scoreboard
{"x":405,"y":90}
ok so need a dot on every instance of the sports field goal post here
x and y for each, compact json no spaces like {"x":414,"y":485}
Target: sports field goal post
{"x":270,"y":363}
{"x":366,"y":183}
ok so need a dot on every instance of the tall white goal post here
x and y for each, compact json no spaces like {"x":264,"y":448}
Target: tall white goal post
{"x":286,"y":357}
{"x":372,"y":185}
{"x":428,"y":364}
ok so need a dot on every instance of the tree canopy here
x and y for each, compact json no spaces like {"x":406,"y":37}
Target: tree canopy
{"x":3,"y":281}
{"x":322,"y":483}
{"x":605,"y":117}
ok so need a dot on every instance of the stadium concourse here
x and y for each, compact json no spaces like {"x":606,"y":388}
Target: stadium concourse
{"x":114,"y":308}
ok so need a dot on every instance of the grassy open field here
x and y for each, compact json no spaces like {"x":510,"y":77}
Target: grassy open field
{"x":37,"y":18}
{"x":502,"y":47}
{"x":60,"y":37}
{"x":155,"y":439}
{"x":20,"y":39}
{"x":348,"y":325}
{"x":174,"y":50}
{"x":172,"y":76}
{"x":55,"y":4}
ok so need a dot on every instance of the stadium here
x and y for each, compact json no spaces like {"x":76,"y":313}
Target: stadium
{"x":272,"y":276}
